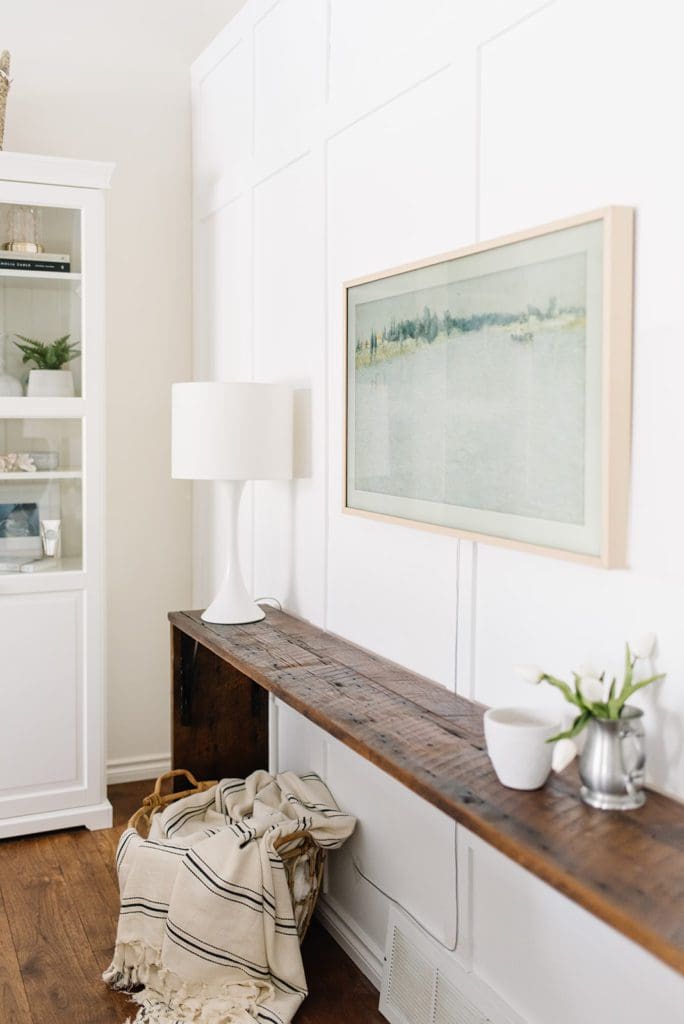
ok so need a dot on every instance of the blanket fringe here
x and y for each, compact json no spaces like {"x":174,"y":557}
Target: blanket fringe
{"x":165,"y":999}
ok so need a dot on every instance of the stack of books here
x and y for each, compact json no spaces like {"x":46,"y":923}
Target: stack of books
{"x":41,"y":261}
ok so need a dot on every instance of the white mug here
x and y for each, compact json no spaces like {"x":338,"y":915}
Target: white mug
{"x":517,"y":745}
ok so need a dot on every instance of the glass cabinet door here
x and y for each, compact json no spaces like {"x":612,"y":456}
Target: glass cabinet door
{"x":41,"y":508}
{"x":42,"y":387}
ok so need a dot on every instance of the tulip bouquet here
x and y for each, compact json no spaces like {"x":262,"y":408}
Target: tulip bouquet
{"x":592,"y":695}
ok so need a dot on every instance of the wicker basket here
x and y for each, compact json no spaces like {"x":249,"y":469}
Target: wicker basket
{"x":298,"y":854}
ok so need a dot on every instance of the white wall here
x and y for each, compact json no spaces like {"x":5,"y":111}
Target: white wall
{"x":338,"y":138}
{"x":110,"y":81}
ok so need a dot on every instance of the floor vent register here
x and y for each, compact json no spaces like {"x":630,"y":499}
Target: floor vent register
{"x":422,"y":983}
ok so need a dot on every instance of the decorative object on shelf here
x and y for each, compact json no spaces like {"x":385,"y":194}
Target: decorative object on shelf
{"x":43,"y":262}
{"x":50,"y":535}
{"x":49,"y":379}
{"x":612,"y":760}
{"x":17,"y":462}
{"x":50,"y":384}
{"x":25,"y":226}
{"x":10,"y":387}
{"x":5,"y":82}
{"x":483,"y":385}
{"x":18,"y":520}
{"x":16,"y":563}
{"x":232,"y":432}
{"x":517,"y":744}
{"x":35,"y":565}
{"x":45,"y":462}
{"x":24,"y":502}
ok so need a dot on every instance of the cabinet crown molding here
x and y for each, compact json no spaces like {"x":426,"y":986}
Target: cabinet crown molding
{"x":55,"y":170}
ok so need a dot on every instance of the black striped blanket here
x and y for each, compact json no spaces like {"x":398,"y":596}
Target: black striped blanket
{"x":206,"y":930}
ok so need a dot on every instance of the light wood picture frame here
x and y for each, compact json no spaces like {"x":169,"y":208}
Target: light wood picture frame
{"x":488,"y":390}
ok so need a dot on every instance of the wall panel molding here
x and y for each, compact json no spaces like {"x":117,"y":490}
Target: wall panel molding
{"x":405,"y":150}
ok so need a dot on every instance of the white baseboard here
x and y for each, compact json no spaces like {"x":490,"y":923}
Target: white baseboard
{"x":125,"y":769}
{"x":358,"y":946}
{"x":93,"y":816}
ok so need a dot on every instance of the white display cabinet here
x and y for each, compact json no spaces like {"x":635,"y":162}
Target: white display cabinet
{"x":52,"y":762}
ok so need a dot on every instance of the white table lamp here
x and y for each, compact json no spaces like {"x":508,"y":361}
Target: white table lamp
{"x":232,"y":432}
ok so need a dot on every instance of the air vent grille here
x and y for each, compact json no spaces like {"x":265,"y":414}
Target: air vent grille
{"x":411,"y":981}
{"x":423,"y":983}
{"x":451,"y":1006}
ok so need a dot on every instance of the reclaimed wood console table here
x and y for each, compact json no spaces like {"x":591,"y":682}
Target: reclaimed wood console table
{"x":626,"y":868}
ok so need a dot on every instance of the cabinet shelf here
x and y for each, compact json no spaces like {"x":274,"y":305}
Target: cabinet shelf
{"x":44,"y":474}
{"x":42,"y":408}
{"x":63,"y":574}
{"x":39,"y":275}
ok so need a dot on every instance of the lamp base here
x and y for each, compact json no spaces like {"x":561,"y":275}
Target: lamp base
{"x":233,"y":605}
{"x":228,"y":615}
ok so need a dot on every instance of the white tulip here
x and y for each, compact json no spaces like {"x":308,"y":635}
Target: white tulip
{"x":530,"y":673}
{"x":564,"y":751}
{"x":643,"y":648}
{"x":592,"y":689}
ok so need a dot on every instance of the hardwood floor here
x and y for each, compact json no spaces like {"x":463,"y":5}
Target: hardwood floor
{"x":58,"y":910}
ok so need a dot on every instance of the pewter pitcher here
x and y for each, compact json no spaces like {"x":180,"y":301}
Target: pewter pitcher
{"x":611,"y":765}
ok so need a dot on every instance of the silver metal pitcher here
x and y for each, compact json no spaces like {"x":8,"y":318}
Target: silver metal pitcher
{"x":611,"y":765}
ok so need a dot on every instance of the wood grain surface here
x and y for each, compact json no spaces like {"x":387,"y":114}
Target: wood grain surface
{"x":205,"y":738}
{"x":626,"y":868}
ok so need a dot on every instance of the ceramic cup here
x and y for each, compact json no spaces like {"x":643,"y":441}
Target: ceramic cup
{"x":516,"y":744}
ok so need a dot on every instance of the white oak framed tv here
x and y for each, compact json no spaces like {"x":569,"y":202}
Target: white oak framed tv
{"x":488,"y":390}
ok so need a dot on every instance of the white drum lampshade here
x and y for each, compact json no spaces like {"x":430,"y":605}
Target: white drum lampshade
{"x":229,"y":430}
{"x":233,"y":432}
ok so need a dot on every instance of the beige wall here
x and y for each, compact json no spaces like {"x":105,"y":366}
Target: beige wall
{"x":110,"y":81}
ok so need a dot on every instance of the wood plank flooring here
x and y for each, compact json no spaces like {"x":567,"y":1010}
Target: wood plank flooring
{"x":58,"y":910}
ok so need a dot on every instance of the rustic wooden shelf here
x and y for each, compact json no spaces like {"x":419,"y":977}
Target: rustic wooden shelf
{"x":626,"y":868}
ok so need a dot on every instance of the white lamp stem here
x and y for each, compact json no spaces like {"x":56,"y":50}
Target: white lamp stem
{"x":233,"y":605}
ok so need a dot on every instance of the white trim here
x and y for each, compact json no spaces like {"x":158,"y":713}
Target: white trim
{"x":93,"y":816}
{"x":55,"y":170}
{"x":355,"y":942}
{"x":137,"y":769}
{"x":273,"y":736}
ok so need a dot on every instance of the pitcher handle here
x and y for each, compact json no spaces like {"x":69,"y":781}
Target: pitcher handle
{"x":635,"y":777}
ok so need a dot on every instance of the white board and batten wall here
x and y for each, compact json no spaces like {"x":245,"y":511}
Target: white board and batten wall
{"x":332,"y":139}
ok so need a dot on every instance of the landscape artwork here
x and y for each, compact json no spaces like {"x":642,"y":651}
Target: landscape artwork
{"x":474,"y":391}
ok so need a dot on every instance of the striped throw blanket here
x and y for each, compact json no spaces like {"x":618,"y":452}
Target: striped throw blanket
{"x":206,"y":931}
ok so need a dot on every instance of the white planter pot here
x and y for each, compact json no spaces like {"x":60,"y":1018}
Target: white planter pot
{"x":50,"y":384}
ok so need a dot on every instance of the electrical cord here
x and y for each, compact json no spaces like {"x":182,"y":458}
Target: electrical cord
{"x":271,"y":601}
{"x":419,"y":924}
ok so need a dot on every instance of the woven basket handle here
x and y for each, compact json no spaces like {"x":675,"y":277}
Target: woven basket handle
{"x":173,"y":775}
{"x":156,"y":802}
{"x":292,"y":837}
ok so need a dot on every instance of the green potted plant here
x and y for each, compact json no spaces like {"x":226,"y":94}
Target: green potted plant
{"x":49,"y":378}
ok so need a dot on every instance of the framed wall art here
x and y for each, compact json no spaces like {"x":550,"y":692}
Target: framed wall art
{"x":488,"y":391}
